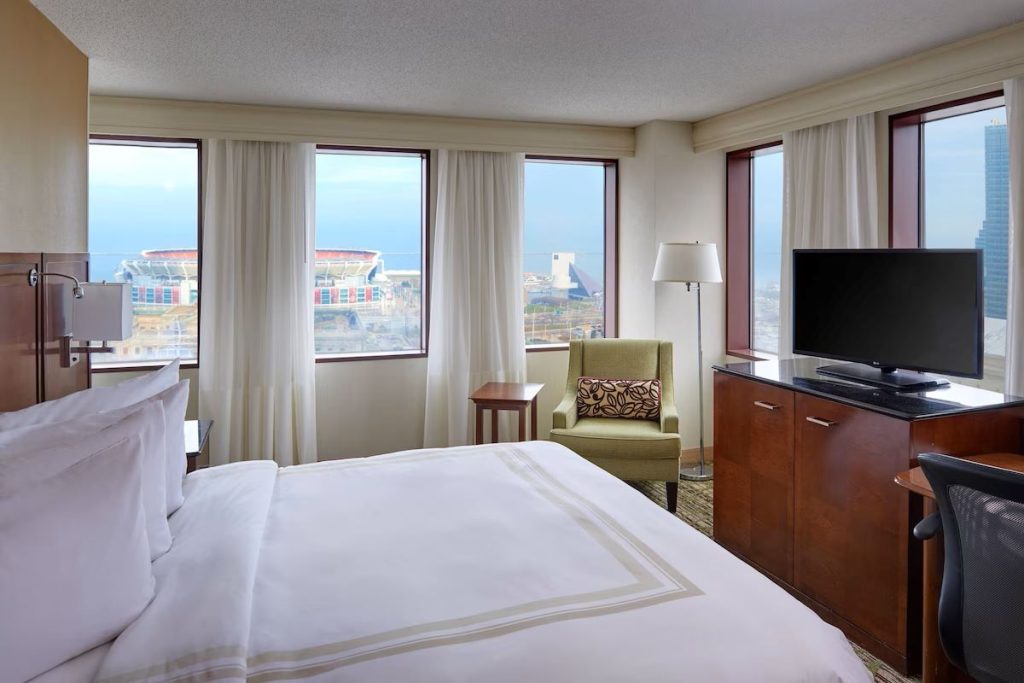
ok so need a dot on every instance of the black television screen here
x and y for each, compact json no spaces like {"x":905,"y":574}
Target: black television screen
{"x":916,"y":309}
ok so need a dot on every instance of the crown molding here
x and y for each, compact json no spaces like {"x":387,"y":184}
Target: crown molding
{"x":183,"y":118}
{"x":983,"y":60}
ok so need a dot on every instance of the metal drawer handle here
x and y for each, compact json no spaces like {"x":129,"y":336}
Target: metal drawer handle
{"x":767,"y":406}
{"x":822,"y":422}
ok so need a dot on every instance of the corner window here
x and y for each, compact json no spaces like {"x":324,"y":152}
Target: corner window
{"x":371,"y":266}
{"x":959,"y":198}
{"x":144,"y":230}
{"x":753,"y":249}
{"x":569,"y":250}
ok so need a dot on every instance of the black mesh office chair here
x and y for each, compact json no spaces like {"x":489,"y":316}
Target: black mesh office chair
{"x":981,"y":606}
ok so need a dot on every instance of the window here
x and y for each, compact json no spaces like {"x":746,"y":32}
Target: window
{"x":144,"y":230}
{"x":766,"y":254}
{"x":370,"y":270}
{"x":961,"y":196}
{"x":753,"y":249}
{"x":569,"y":250}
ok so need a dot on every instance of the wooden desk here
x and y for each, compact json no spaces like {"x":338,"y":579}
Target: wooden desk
{"x":935,"y":666}
{"x":197,"y":435}
{"x":495,"y":396}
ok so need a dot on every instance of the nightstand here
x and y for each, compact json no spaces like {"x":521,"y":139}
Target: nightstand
{"x":197,"y":437}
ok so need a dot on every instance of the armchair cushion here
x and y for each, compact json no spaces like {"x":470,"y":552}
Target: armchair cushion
{"x":607,"y":437}
{"x":631,"y":399}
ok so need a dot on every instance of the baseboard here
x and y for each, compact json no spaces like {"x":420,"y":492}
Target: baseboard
{"x":691,"y":456}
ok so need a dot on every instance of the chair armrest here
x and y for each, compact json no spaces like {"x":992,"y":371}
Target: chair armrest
{"x":669,"y":418}
{"x":564,"y":416}
{"x":928,"y":527}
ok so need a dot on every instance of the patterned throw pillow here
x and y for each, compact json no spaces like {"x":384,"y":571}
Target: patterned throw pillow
{"x":632,"y":399}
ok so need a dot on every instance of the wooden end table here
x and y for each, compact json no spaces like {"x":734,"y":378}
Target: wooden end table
{"x":935,"y":666}
{"x":496,"y":396}
{"x":197,"y":436}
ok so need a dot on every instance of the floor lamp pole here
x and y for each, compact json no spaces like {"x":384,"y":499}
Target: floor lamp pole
{"x":702,"y":471}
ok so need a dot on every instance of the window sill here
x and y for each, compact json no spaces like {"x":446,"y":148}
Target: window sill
{"x":349,"y":357}
{"x":142,"y":366}
{"x":540,"y":348}
{"x":751,"y":355}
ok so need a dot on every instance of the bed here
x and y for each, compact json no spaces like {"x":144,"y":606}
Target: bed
{"x":511,"y":562}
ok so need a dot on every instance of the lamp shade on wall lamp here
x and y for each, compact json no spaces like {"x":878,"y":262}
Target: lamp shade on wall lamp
{"x":104,"y":313}
{"x":687,"y":262}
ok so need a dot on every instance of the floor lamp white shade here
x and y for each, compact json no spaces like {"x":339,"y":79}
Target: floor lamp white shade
{"x":687,"y":262}
{"x":692,"y":263}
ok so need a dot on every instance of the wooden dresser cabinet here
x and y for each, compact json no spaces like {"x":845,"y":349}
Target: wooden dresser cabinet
{"x":804,"y":490}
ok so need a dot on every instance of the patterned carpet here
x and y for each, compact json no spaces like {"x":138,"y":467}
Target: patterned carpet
{"x":694,"y":508}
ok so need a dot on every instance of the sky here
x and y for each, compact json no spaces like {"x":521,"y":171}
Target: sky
{"x":139,"y":198}
{"x":767,"y":217}
{"x":954,"y":170}
{"x":146,"y":198}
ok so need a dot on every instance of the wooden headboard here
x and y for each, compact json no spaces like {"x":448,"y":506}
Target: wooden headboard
{"x":32,"y":321}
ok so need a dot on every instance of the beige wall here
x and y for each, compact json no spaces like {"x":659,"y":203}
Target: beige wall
{"x":43,"y":134}
{"x":637,"y":239}
{"x":372,"y":407}
{"x":669,"y":193}
{"x":689,"y":206}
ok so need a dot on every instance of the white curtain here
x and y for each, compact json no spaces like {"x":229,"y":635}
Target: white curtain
{"x":256,"y":357}
{"x":830,"y":198}
{"x":1014,"y":91}
{"x":476,"y":311}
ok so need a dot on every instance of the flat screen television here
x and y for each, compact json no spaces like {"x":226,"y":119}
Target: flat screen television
{"x":895,"y":313}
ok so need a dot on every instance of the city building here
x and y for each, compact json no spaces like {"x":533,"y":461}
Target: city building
{"x":994,"y":235}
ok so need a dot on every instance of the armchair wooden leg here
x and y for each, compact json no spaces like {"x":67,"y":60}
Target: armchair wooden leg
{"x":672,"y":495}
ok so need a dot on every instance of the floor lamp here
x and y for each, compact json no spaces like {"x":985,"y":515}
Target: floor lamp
{"x":692,"y":263}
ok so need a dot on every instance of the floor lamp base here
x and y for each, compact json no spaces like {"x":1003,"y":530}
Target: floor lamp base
{"x":699,"y":472}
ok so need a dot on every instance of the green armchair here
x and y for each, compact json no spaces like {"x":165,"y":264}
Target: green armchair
{"x":634,"y":450}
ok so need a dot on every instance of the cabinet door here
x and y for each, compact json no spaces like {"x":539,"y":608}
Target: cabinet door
{"x":851,"y":519}
{"x":753,"y":501}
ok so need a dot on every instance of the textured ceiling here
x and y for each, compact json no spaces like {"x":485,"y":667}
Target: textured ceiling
{"x":585,"y":61}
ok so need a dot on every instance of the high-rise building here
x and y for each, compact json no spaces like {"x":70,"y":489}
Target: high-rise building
{"x":995,"y":229}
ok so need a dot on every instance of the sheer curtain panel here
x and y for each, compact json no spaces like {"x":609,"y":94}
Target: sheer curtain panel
{"x":830,"y":198}
{"x":1014,"y":91}
{"x":476,"y":302}
{"x":256,"y":369}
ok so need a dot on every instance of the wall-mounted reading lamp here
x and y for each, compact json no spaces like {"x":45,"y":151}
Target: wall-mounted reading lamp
{"x":99,"y":311}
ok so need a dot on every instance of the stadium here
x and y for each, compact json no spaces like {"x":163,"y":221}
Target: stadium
{"x":357,"y":306}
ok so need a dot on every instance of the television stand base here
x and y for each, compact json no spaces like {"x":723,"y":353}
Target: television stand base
{"x":884,"y":378}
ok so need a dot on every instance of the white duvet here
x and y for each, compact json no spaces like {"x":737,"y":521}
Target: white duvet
{"x":512,"y":562}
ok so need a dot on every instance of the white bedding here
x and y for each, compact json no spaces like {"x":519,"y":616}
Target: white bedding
{"x":512,"y":562}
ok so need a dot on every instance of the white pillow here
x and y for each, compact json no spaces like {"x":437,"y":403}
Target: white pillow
{"x":74,"y":558}
{"x":147,"y":419}
{"x":175,"y":403}
{"x":95,"y":400}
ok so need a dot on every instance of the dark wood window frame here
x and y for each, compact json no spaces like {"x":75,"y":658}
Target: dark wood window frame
{"x":425,"y":234}
{"x":906,"y":164}
{"x":739,"y":213}
{"x":611,"y":244}
{"x":147,"y":141}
